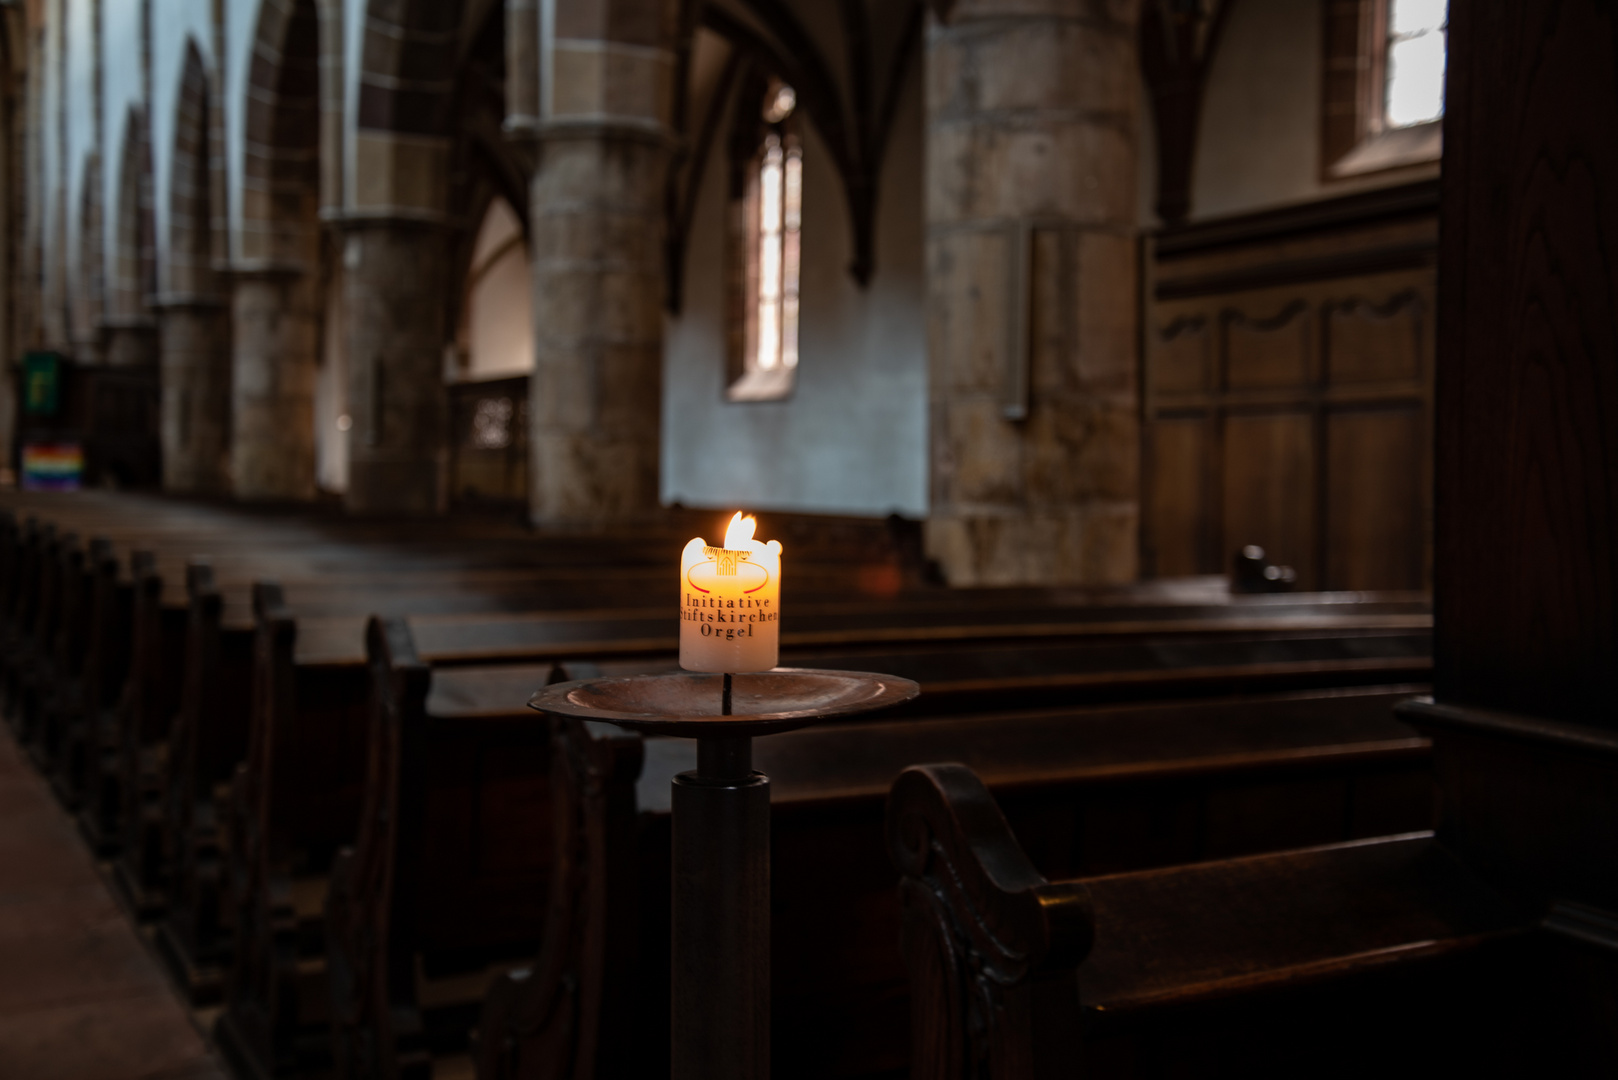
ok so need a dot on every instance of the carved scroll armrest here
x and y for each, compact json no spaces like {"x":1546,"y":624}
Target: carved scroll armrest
{"x":554,"y":1019}
{"x":991,"y":946}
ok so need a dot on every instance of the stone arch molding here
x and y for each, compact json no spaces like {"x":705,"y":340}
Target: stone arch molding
{"x":133,"y":277}
{"x":189,"y":271}
{"x":406,"y":102}
{"x":281,"y":157}
{"x":86,"y":307}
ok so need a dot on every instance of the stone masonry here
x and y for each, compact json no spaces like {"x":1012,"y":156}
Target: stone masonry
{"x":596,"y":392}
{"x":394,"y":291}
{"x":596,"y":214}
{"x":276,"y":320}
{"x":195,"y":357}
{"x":1031,"y":116}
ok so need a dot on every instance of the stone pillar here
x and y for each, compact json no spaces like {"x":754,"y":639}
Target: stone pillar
{"x":194,"y":352}
{"x":275,"y":335}
{"x":130,"y":343}
{"x":395,"y":295}
{"x":89,"y":348}
{"x":595,"y":399}
{"x":1031,"y":307}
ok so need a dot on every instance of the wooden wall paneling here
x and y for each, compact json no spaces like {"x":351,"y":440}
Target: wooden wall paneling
{"x":1266,"y":350}
{"x":1374,"y":529}
{"x":1270,"y":487}
{"x":1305,"y":353}
{"x":1370,"y":341}
{"x":1182,"y":354}
{"x":1527,"y":458}
{"x":1179,"y":451}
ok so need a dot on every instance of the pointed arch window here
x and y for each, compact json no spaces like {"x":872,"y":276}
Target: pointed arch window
{"x":1383,"y":98}
{"x":1413,"y":74}
{"x":766,"y":247}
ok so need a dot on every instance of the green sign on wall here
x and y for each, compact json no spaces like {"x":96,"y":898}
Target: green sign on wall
{"x":41,"y":383}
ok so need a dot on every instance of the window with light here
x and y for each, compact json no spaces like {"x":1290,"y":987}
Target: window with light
{"x":1384,"y":89}
{"x":1414,"y":76}
{"x":769,"y":248}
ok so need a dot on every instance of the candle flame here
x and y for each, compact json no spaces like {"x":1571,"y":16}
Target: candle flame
{"x":739,"y":534}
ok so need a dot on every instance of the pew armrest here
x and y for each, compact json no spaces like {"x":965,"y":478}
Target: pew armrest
{"x":1184,"y":935}
{"x":991,"y":946}
{"x":556,"y":1018}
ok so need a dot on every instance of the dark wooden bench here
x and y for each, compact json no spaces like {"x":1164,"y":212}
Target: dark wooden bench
{"x":1320,"y":961}
{"x":1106,"y":788}
{"x":209,"y":735}
{"x":246,"y":553}
{"x":325,"y":656}
{"x":33,"y":623}
{"x":35,"y":663}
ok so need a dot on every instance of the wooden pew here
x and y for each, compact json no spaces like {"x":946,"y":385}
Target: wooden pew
{"x":210,"y":733}
{"x":1098,"y":788}
{"x":449,"y":872}
{"x":128,"y":797}
{"x":324,"y":656}
{"x":151,"y":695}
{"x":90,"y":771}
{"x":33,"y":617}
{"x":245,"y":556}
{"x":1248,"y":966}
{"x":34,"y":662}
{"x":69,"y":665}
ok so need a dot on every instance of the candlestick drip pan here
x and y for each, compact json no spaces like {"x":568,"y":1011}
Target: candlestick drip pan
{"x":687,"y":704}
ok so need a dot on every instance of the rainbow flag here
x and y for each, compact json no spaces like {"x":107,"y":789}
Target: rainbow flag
{"x":52,"y":466}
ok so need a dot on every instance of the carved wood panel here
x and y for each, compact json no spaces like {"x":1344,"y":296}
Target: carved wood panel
{"x":1374,"y":498}
{"x":1263,"y":350}
{"x":1178,"y":456}
{"x":1268,"y":488}
{"x":1371,"y":343}
{"x":1287,"y":402}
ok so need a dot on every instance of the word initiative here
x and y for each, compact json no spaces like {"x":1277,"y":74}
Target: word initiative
{"x":730,"y":602}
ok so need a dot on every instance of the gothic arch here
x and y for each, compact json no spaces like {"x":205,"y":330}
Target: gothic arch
{"x":405,"y":121}
{"x":853,"y":116}
{"x":191,"y":212}
{"x":407,"y":65}
{"x":281,"y":157}
{"x":86,"y":306}
{"x":134,"y":259}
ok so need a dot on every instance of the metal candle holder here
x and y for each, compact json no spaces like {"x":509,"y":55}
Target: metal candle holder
{"x":721,"y":835}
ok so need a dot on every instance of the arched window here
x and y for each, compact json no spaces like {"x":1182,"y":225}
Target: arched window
{"x":767,"y":216}
{"x":1413,"y":79}
{"x":497,"y":338}
{"x":1384,"y":89}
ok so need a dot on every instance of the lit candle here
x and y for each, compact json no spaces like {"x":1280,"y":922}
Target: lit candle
{"x":730,"y":602}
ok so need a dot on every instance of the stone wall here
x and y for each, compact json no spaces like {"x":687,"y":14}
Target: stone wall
{"x":394,"y":284}
{"x":596,"y":393}
{"x":195,"y":357}
{"x":275,"y":318}
{"x":1032,"y":310}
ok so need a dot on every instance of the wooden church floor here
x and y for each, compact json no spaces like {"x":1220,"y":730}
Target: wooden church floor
{"x":81,"y":995}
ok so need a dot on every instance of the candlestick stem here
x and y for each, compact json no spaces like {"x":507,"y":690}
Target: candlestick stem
{"x":721,"y":916}
{"x":724,"y":701}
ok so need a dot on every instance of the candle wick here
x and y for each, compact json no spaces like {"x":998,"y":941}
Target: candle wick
{"x":724,"y":704}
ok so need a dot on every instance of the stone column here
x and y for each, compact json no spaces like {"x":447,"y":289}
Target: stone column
{"x":194,"y":352}
{"x":130,"y":343}
{"x":395,"y":295}
{"x":1031,"y":307}
{"x":595,"y":399}
{"x":275,"y":335}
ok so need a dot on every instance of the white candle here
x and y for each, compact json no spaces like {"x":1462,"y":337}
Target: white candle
{"x":730,"y":602}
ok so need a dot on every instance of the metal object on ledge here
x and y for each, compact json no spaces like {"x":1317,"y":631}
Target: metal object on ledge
{"x":721,"y":835}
